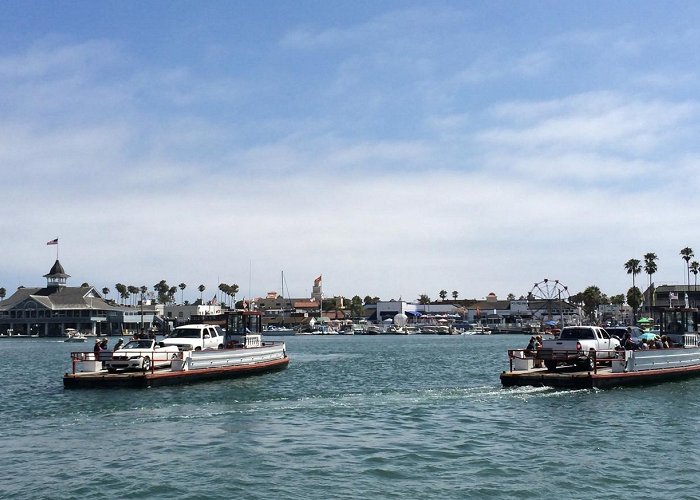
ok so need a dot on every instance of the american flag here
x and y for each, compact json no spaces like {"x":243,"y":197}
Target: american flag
{"x":52,"y":242}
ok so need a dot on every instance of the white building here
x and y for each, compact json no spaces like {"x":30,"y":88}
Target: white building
{"x":182,"y":313}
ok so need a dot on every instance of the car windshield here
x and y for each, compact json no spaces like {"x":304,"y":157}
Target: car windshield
{"x":576,"y":334}
{"x":139,"y":344}
{"x":185,"y":333}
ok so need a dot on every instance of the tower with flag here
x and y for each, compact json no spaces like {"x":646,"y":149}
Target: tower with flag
{"x":54,"y":242}
{"x":316,"y":291}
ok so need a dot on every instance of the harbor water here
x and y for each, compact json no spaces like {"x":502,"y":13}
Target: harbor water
{"x":371,"y":417}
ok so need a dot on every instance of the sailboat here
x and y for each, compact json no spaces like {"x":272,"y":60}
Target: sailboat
{"x":280,"y":331}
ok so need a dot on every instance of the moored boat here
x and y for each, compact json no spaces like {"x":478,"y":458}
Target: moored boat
{"x":279,"y":331}
{"x":73,"y":335}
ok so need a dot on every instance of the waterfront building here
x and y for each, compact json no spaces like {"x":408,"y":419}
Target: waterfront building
{"x":48,"y":311}
{"x":183,"y":313}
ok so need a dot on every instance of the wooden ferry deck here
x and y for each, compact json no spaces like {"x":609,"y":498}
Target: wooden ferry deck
{"x":103,"y":379}
{"x":603,"y":377}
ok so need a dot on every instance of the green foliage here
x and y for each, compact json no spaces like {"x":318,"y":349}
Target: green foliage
{"x":230,"y":290}
{"x":591,"y":298}
{"x":371,"y":300}
{"x":356,"y":308}
{"x":165,"y":292}
{"x":618,"y":300}
{"x":634,"y":298}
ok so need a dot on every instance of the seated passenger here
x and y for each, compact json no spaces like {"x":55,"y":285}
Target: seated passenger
{"x":531,"y":346}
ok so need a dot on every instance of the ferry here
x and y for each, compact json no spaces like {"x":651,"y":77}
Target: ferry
{"x":243,"y":353}
{"x":627,"y":367}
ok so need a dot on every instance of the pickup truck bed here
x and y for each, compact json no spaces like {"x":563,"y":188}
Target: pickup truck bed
{"x":580,"y":345}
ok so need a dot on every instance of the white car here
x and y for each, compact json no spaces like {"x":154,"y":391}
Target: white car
{"x":196,"y":337}
{"x":141,"y":355}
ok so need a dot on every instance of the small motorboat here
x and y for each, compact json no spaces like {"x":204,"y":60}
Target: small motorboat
{"x":73,"y":335}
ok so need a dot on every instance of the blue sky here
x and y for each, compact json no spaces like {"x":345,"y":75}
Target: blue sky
{"x":397,"y":148}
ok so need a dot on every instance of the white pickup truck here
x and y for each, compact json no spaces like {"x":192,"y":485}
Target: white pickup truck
{"x":196,"y":337}
{"x":580,"y":345}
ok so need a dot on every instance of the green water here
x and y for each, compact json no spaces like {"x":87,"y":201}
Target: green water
{"x":351,"y":417}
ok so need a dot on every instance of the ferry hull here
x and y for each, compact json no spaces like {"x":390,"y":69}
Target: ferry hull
{"x":604,"y":378}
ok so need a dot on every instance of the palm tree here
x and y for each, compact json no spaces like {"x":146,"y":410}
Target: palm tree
{"x":455,"y":294}
{"x":686,"y":255}
{"x":632,"y":266}
{"x":224,"y":289}
{"x":133,"y":290}
{"x":234,"y":290}
{"x":201,"y":289}
{"x":443,"y":295}
{"x":650,"y":268}
{"x":3,"y":292}
{"x":122,"y":291}
{"x":182,"y":291}
{"x":105,"y":292}
{"x":695,"y":268}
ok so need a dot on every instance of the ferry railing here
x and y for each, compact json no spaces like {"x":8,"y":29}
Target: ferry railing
{"x":597,"y":356}
{"x":155,"y":357}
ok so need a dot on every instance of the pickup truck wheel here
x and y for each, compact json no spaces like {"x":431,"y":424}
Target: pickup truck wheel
{"x":221,"y":346}
{"x":590,"y":364}
{"x":146,"y":364}
{"x":197,"y":348}
{"x":550,"y":365}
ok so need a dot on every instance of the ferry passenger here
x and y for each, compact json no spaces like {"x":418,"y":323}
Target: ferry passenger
{"x":644,"y":345}
{"x":627,"y":336}
{"x":658,"y":344}
{"x":98,"y":348}
{"x":119,"y":343}
{"x":531,"y":344}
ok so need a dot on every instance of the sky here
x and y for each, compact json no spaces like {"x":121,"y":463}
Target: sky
{"x":396,"y":148}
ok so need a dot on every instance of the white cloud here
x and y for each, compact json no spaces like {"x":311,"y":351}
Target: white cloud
{"x":598,"y":120}
{"x":149,"y":173}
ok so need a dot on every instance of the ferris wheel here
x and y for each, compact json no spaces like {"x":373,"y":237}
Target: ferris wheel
{"x":550,"y":290}
{"x":547,"y":296}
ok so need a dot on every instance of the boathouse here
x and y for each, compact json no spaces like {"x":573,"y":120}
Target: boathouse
{"x":49,"y":311}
